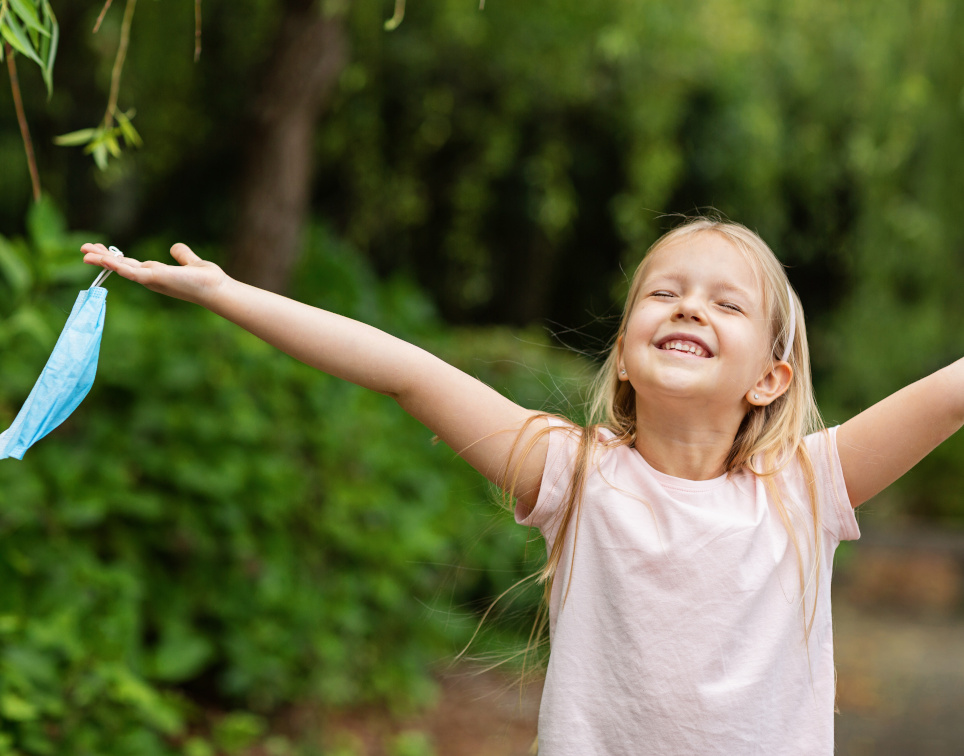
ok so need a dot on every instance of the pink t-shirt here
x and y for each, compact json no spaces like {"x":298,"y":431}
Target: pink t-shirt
{"x":682,"y":630}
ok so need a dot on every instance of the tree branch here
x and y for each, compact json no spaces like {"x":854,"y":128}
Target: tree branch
{"x":22,"y":120}
{"x":115,"y":75}
{"x":100,"y":18}
{"x":197,"y":30}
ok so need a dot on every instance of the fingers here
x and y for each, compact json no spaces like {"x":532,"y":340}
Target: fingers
{"x":127,"y":267}
{"x":98,"y":254}
{"x":94,"y":252}
{"x":133,"y":270}
{"x":184,"y":254}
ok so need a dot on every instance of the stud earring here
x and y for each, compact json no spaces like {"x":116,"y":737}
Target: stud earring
{"x":622,"y":372}
{"x":756,"y":396}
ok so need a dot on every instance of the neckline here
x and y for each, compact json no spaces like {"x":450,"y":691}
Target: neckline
{"x":685,"y":484}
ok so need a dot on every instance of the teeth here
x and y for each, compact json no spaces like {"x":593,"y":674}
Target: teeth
{"x":684,"y":346}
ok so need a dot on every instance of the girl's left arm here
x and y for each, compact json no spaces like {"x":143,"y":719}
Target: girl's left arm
{"x":883,"y":442}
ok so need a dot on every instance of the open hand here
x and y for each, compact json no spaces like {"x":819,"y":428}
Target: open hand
{"x":193,"y":279}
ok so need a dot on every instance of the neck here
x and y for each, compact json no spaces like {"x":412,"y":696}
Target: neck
{"x":685,"y":442}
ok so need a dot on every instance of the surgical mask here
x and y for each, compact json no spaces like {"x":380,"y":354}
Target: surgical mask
{"x":68,"y":375}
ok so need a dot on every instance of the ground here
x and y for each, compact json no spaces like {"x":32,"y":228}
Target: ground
{"x":480,"y":713}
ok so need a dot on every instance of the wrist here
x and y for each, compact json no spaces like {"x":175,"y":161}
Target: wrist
{"x":217,"y":294}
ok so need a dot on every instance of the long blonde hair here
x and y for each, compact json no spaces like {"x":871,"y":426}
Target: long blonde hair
{"x":769,"y":438}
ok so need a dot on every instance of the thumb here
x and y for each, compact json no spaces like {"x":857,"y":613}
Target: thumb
{"x":184,"y":254}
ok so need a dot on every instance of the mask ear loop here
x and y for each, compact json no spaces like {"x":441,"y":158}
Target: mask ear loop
{"x":106,"y":271}
{"x":793,"y":325}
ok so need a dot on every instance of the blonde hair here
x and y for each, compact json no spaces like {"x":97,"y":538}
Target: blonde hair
{"x":769,"y":438}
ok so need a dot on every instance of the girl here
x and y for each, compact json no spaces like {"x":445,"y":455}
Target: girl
{"x":691,"y":530}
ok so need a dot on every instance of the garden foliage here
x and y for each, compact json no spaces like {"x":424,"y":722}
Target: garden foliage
{"x":220,"y":523}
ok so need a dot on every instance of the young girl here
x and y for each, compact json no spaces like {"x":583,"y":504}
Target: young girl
{"x":691,"y":531}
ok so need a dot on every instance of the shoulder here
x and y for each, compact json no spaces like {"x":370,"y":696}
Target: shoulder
{"x":815,"y":471}
{"x":569,"y":459}
{"x":566,"y":435}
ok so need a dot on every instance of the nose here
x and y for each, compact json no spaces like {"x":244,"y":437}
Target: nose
{"x":690,"y":308}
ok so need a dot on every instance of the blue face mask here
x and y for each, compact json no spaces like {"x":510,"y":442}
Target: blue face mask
{"x":66,"y":378}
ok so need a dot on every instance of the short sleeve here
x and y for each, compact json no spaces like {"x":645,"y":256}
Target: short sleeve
{"x":556,"y":477}
{"x":838,"y":514}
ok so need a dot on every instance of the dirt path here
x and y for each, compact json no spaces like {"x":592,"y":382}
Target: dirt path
{"x":479,"y":714}
{"x":900,"y":685}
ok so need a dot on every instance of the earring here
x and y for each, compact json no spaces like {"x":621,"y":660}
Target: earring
{"x":622,"y":372}
{"x":756,"y":396}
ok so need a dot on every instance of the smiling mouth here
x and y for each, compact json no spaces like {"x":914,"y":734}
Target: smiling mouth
{"x":681,"y":345}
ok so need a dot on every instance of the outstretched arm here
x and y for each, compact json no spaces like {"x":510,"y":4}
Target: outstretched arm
{"x":883,"y":442}
{"x":472,"y":418}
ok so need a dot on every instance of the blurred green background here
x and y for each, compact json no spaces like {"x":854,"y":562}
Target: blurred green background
{"x":218,"y":532}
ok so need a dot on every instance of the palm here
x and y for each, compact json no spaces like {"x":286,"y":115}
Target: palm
{"x":186,"y":281}
{"x":191,"y":279}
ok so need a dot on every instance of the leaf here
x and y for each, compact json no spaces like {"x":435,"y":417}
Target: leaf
{"x":103,"y":145}
{"x":181,"y":654}
{"x":238,"y":730}
{"x":197,"y":747}
{"x":28,"y":13}
{"x":75,"y":138}
{"x":100,"y":155}
{"x":46,"y":227}
{"x":130,"y":133}
{"x":17,"y":709}
{"x":48,"y":71}
{"x":44,"y":49}
{"x":112,"y":145}
{"x":14,"y":34}
{"x":9,"y":623}
{"x":29,"y":322}
{"x":128,"y":688}
{"x":13,"y":269}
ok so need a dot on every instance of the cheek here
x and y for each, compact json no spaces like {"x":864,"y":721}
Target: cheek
{"x":632,"y":331}
{"x":640,"y":325}
{"x":759,"y":348}
{"x":635,"y":342}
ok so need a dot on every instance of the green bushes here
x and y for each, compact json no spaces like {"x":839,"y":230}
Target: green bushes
{"x":217,"y":520}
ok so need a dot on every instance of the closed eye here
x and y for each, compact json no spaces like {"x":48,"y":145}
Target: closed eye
{"x":731,"y":306}
{"x":662,"y":293}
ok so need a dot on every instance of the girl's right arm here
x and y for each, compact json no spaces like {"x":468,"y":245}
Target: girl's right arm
{"x":480,"y":424}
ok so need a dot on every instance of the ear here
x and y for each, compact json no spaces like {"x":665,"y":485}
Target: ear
{"x":771,"y":386}
{"x":620,"y":364}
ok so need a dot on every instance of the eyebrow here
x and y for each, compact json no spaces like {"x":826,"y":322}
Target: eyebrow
{"x":728,"y":288}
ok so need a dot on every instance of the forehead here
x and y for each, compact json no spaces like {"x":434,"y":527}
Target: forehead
{"x":703,"y":256}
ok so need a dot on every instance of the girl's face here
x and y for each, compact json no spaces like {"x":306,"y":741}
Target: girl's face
{"x":698,"y":328}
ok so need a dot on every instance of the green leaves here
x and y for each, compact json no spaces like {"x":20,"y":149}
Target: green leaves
{"x":217,"y":512}
{"x":31,"y":29}
{"x":104,"y":142}
{"x":39,"y":275}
